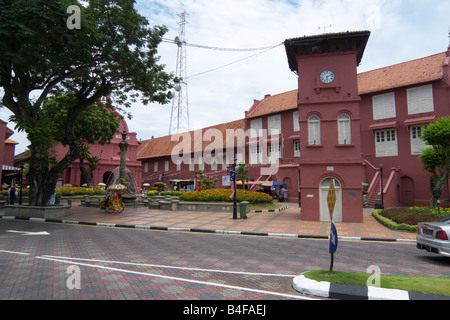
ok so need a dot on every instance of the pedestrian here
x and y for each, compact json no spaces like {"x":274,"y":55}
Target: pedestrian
{"x":12,"y":195}
{"x":52,"y":198}
{"x":284,"y":194}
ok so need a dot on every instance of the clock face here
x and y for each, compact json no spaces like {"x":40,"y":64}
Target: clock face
{"x":327,"y":76}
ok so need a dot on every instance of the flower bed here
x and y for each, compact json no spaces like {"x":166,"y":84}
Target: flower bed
{"x":408,"y":218}
{"x":153,"y":193}
{"x":66,"y":191}
{"x":223,"y":195}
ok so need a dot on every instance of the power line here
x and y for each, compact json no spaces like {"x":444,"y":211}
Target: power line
{"x":228,"y":64}
{"x":219,"y":48}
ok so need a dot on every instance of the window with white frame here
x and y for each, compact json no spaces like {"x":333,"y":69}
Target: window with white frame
{"x":417,"y":144}
{"x":255,"y":128}
{"x":384,"y":106}
{"x":224,"y":162}
{"x":274,"y":151}
{"x":386,"y":143}
{"x":296,"y":148}
{"x":155,"y":167}
{"x":213,"y":163}
{"x":201,"y":164}
{"x":420,"y":99}
{"x":191,"y":164}
{"x":166,"y":165}
{"x":146,"y":167}
{"x":314,"y":130}
{"x":344,"y":129}
{"x":255,"y":154}
{"x":179,"y":164}
{"x":295,"y":119}
{"x":274,"y":125}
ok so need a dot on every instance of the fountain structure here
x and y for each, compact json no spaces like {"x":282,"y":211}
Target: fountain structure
{"x":125,"y":177}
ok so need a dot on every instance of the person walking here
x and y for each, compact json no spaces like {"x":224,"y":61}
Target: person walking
{"x":12,"y":195}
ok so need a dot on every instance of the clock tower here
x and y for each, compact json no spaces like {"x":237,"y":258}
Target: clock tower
{"x":329,"y":117}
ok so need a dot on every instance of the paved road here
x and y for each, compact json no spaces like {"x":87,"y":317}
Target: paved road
{"x":129,"y":264}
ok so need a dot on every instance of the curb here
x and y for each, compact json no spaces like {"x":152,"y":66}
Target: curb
{"x":247,"y":233}
{"x":353,"y":292}
{"x":271,"y":210}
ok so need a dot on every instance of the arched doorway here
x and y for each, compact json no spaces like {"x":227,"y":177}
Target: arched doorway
{"x":323,"y":193}
{"x":288,"y":187}
{"x":107,"y":177}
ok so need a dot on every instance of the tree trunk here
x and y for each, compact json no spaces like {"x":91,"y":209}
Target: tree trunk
{"x":86,"y":173}
{"x":42,"y":177}
{"x":439,"y":185}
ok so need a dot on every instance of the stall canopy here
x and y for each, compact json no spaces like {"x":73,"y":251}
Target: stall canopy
{"x":267,"y":183}
{"x":10,"y":168}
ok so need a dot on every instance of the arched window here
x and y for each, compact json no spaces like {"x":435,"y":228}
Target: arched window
{"x":344,"y":129}
{"x":314,"y":130}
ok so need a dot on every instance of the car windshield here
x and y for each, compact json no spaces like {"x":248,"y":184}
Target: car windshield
{"x":446,"y":219}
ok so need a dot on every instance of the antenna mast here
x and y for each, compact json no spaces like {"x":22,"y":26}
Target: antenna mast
{"x":179,"y":117}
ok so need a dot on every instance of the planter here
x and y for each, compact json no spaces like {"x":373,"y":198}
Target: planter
{"x":52,"y":211}
{"x":205,"y":207}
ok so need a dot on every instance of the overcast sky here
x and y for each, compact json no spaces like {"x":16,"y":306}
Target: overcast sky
{"x":401,"y":30}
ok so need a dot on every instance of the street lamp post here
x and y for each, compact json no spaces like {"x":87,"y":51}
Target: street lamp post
{"x":233,"y":173}
{"x":234,"y":197}
{"x":381,"y":177}
{"x":21,"y":183}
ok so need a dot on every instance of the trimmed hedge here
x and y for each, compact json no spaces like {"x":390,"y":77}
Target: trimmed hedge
{"x":68,"y":191}
{"x":152,"y":193}
{"x":223,"y":195}
{"x":392,"y":224}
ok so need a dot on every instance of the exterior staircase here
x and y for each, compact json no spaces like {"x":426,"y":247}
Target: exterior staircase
{"x":376,"y":194}
{"x":261,"y":178}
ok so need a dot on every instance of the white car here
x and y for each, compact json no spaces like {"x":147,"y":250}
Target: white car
{"x":434,"y":236}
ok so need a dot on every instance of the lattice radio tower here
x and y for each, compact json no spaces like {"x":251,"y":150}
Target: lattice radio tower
{"x":179,"y":117}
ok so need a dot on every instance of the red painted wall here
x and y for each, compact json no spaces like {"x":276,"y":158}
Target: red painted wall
{"x":406,"y":165}
{"x":110,"y":159}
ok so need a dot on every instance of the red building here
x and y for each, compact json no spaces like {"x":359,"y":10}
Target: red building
{"x":176,"y":159}
{"x":7,"y":149}
{"x":329,"y":110}
{"x":396,"y":103}
{"x":338,"y":126}
{"x":109,"y":155}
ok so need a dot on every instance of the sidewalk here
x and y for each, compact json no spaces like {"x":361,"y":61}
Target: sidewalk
{"x":282,"y":223}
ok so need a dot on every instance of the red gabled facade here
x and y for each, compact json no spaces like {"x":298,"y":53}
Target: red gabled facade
{"x":109,"y":155}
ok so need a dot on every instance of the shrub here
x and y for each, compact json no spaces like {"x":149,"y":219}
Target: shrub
{"x":152,"y":193}
{"x":159,"y":186}
{"x":68,"y":191}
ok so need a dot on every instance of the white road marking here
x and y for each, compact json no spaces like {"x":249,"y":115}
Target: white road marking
{"x":30,"y":233}
{"x":15,"y":252}
{"x":175,"y":267}
{"x":174,"y":278}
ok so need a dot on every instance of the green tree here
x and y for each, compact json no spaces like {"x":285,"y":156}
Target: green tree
{"x":204,"y":183}
{"x":114,"y":54}
{"x":436,"y":158}
{"x":159,"y":186}
{"x":242,"y":174}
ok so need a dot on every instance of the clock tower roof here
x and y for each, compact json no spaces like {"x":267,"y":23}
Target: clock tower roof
{"x":325,"y":44}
